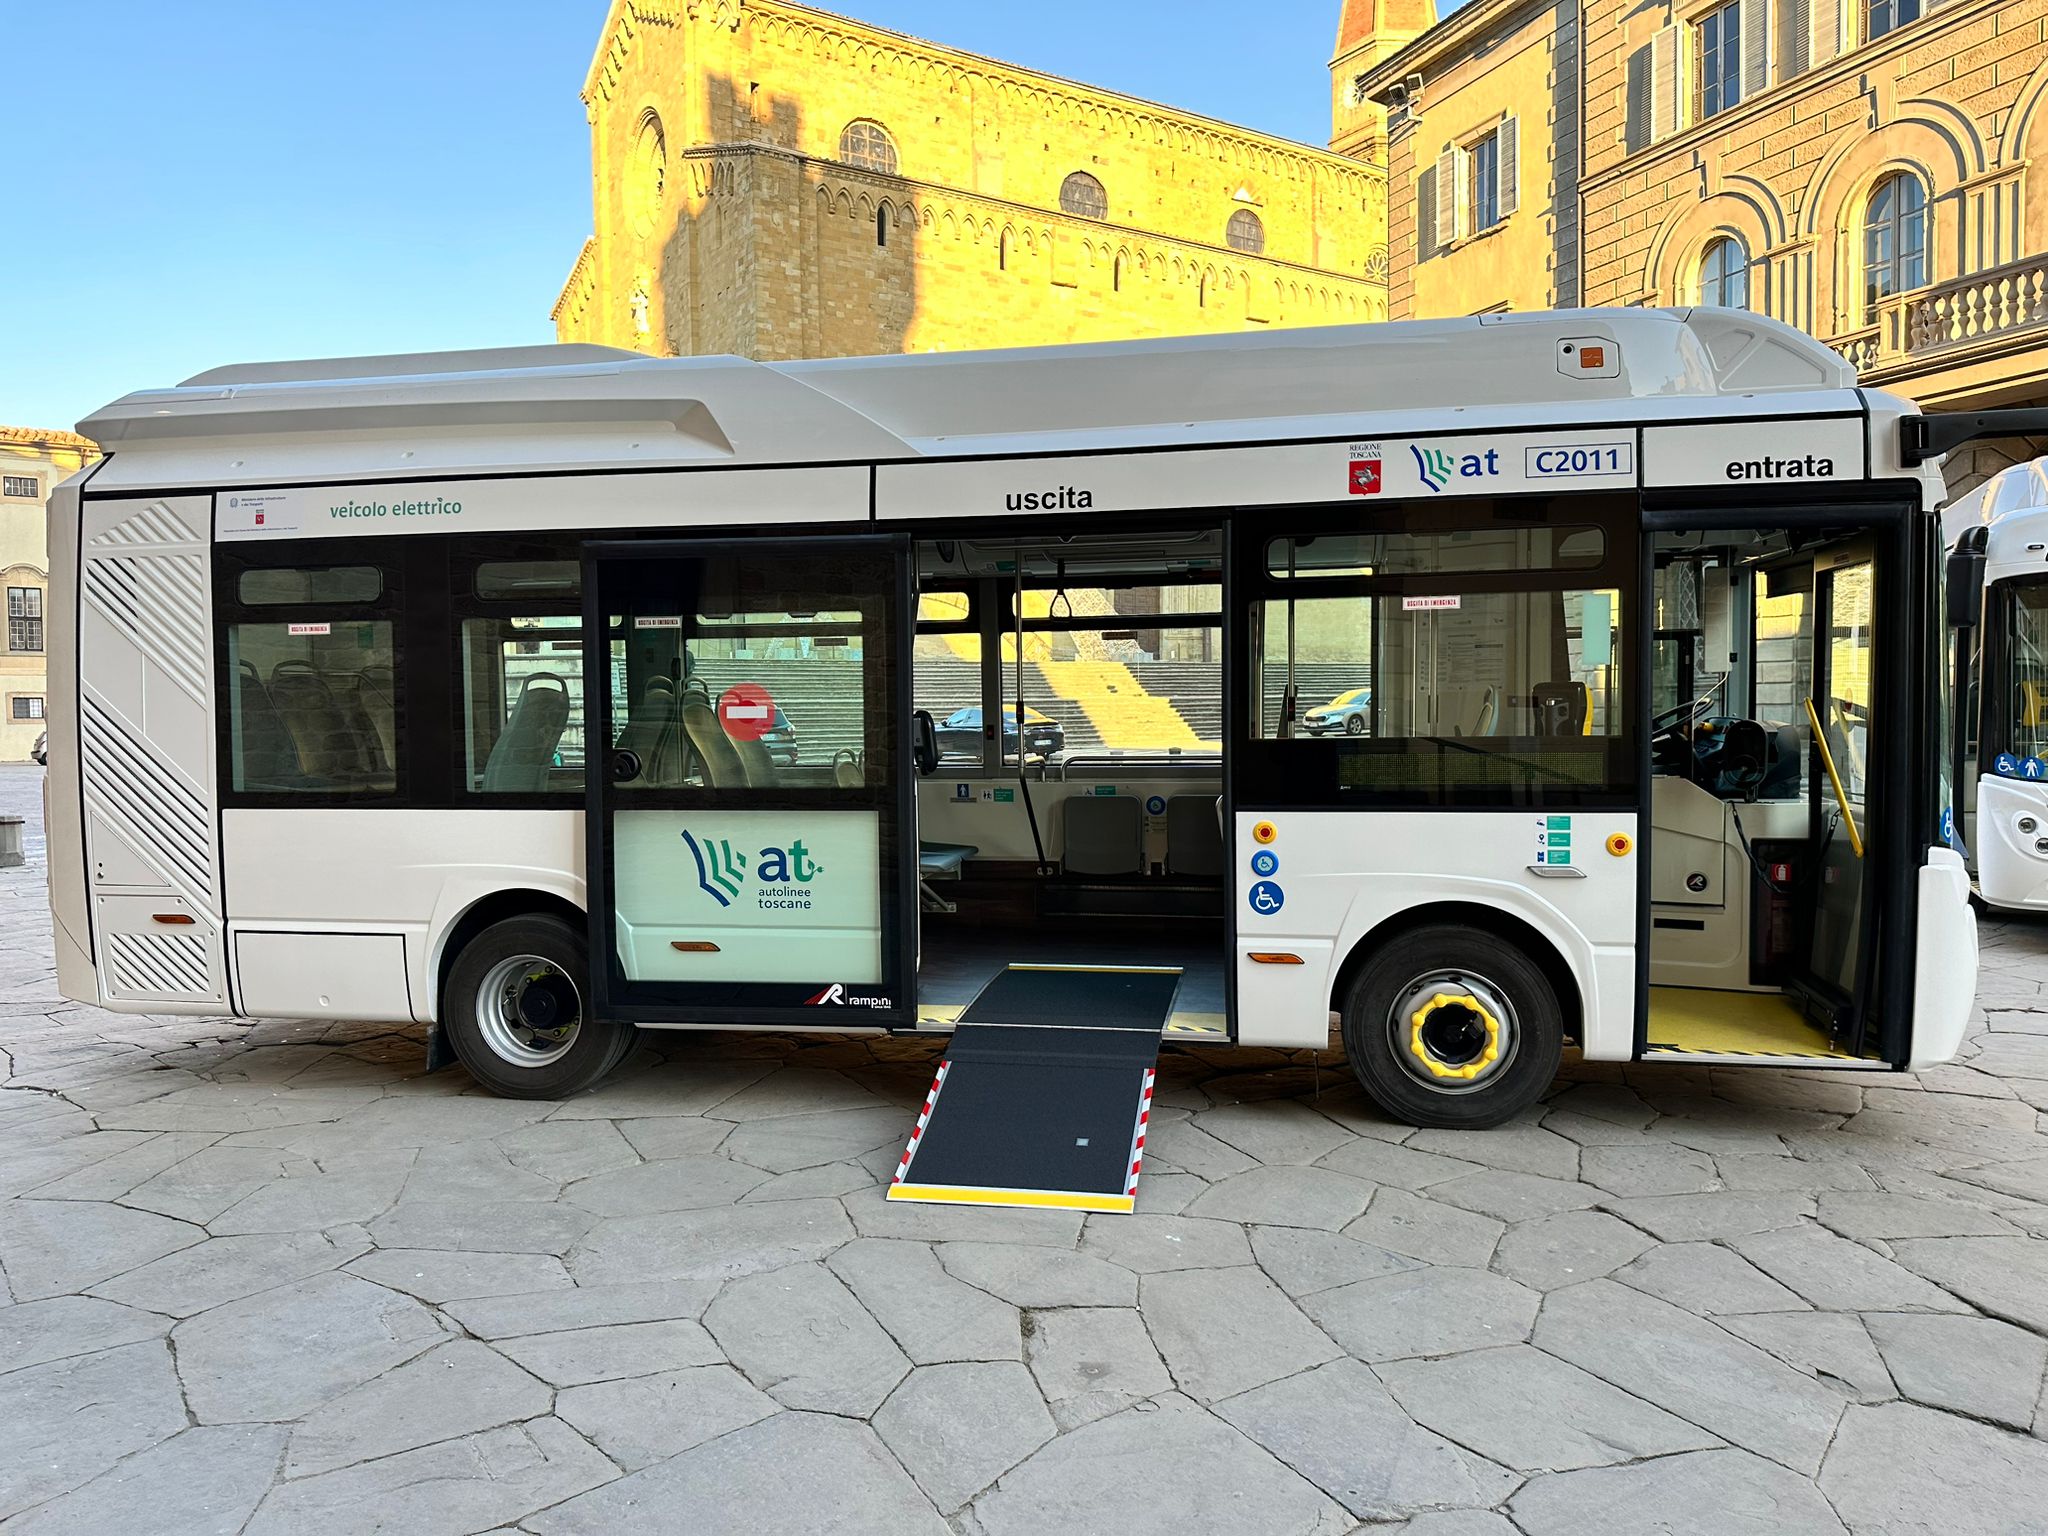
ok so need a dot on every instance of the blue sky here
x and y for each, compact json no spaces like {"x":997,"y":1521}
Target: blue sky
{"x":283,"y":180}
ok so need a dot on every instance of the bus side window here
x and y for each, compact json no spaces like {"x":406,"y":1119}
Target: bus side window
{"x":312,"y":692}
{"x":521,"y":657}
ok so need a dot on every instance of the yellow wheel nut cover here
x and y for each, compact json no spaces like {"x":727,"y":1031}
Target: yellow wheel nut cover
{"x":1441,"y":1068}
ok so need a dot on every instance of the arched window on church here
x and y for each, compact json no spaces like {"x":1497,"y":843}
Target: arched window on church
{"x":866,"y":145}
{"x":1083,"y":197}
{"x":1245,"y":232}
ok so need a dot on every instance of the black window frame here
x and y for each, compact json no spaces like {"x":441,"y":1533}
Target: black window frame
{"x":32,"y":621}
{"x":397,"y":567}
{"x":1305,"y":772}
{"x":466,"y":555}
{"x":9,"y":484}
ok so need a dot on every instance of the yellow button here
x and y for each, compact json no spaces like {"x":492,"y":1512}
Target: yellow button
{"x":1619,"y":843}
{"x":1264,"y":832}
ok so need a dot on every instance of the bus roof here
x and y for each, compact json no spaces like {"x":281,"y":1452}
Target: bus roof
{"x":582,"y":406}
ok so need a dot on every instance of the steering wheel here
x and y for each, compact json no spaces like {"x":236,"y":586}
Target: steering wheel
{"x":1664,"y":720}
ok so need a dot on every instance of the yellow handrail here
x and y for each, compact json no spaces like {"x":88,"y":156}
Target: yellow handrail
{"x":1820,"y":739}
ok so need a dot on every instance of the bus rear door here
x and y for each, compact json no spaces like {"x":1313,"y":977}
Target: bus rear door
{"x":750,"y":817}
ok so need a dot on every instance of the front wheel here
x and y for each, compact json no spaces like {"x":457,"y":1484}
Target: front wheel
{"x":1453,"y":1027}
{"x":516,"y":1009}
{"x":1354,"y":725}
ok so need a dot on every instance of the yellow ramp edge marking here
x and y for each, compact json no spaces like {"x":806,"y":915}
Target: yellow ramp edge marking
{"x":1050,"y":1199}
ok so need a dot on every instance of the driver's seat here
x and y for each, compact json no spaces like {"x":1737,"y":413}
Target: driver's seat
{"x":1560,"y":708}
{"x":1744,"y":757}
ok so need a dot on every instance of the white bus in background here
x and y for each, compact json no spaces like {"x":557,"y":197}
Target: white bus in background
{"x":1999,"y":596}
{"x":1468,"y":689}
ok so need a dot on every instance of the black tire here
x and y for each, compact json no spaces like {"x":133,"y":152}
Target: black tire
{"x":491,"y":1050}
{"x":1354,"y":725}
{"x":1437,"y":1073}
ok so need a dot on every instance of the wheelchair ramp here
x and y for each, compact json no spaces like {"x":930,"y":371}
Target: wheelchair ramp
{"x":1044,"y":1092}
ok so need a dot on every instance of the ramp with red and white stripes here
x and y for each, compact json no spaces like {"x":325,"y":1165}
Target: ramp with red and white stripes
{"x":1044,"y":1093}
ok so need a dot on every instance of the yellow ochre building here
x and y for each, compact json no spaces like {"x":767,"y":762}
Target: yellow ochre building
{"x":777,"y":182}
{"x":33,"y":462}
{"x":1872,"y":171}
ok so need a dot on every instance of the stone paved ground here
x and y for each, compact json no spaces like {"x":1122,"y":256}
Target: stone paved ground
{"x":277,"y":1279}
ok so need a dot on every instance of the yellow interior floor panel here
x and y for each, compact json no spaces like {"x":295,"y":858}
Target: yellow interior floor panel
{"x":1694,"y":1021}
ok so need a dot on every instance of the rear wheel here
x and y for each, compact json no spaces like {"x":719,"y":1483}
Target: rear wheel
{"x":516,"y":1009}
{"x":1453,"y":1026}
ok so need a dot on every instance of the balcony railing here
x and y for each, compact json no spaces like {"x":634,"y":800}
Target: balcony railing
{"x":2005,"y":305}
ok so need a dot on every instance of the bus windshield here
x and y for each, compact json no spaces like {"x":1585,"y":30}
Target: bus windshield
{"x":2028,"y":674}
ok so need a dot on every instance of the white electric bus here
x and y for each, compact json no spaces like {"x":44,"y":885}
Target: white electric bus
{"x":1998,"y":593}
{"x":1466,"y":688}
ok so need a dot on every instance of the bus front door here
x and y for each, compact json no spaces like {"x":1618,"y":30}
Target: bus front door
{"x":750,"y":822}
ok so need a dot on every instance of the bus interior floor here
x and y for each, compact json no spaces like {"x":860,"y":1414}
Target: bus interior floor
{"x":1691,"y":1021}
{"x":956,"y":963}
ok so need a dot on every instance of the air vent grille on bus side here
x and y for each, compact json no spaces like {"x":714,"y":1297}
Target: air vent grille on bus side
{"x":161,"y":817}
{"x":162,"y":964}
{"x":146,"y":750}
{"x":160,"y":602}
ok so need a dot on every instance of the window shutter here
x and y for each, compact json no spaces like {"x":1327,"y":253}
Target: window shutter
{"x":1425,"y":214}
{"x":1795,"y":37}
{"x":1666,"y":83}
{"x":1827,"y":30}
{"x":1450,"y":198}
{"x":1635,"y":133}
{"x":1509,"y":165}
{"x":1756,"y":47}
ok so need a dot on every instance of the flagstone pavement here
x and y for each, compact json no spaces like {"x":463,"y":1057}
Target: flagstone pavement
{"x":277,"y":1278}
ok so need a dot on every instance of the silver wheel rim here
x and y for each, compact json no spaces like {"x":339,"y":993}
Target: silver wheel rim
{"x":1453,"y":1052}
{"x":510,"y":1038}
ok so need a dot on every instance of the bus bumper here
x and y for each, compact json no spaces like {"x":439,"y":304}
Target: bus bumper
{"x":1945,"y":959}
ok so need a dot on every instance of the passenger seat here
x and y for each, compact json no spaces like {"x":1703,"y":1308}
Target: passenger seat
{"x":722,"y":765}
{"x":1103,"y":835}
{"x":268,"y":759}
{"x":1194,"y":837}
{"x":525,"y":750}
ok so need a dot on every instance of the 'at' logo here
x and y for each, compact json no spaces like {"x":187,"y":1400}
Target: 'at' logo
{"x":1365,"y":477}
{"x":1434,"y":465}
{"x":720,"y":868}
{"x":836,"y":994}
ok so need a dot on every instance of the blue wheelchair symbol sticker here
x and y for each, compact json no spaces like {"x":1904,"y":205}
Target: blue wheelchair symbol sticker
{"x":1267,"y":898}
{"x":1156,"y":805}
{"x":1265,"y":862}
{"x":2006,"y":765}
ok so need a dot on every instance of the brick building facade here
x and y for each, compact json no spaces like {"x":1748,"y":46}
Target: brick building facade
{"x":776,"y":182}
